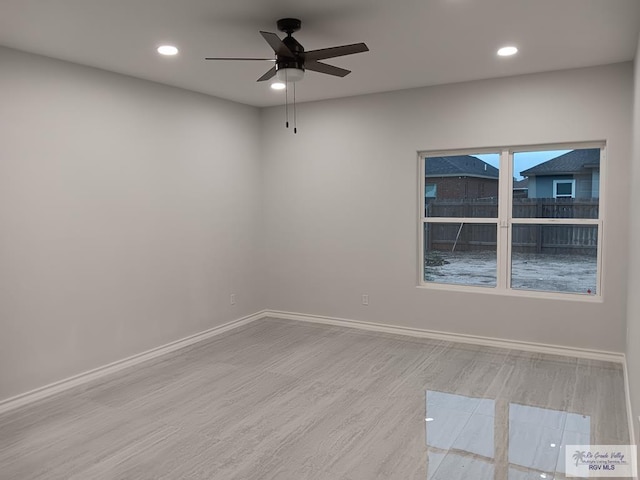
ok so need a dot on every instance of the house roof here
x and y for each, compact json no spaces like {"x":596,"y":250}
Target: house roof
{"x":575,"y":161}
{"x":521,"y":184}
{"x":459,"y":166}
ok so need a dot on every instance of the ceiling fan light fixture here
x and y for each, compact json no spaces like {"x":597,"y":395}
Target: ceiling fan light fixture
{"x":289,"y":75}
{"x":278,"y":85}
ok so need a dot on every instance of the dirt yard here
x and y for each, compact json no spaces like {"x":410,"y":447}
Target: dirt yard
{"x":543,"y":272}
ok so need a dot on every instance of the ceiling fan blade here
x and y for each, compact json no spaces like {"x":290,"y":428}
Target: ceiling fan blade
{"x":270,"y":74}
{"x":234,"y":58}
{"x":328,"y":69}
{"x":324,"y":53}
{"x":278,"y":45}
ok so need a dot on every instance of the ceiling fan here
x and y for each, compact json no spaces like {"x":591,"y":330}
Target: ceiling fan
{"x":291,"y":59}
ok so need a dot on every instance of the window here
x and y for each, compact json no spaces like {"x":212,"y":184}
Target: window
{"x":512,"y":220}
{"x":564,"y":188}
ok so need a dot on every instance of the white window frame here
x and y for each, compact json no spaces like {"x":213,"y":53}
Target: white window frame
{"x":558,"y":182}
{"x":504,"y":222}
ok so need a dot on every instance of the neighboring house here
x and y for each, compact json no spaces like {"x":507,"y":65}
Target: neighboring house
{"x":521,"y":188}
{"x":460,"y":177}
{"x":573,"y":175}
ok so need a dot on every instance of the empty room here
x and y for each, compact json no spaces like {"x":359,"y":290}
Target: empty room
{"x":319,"y":240}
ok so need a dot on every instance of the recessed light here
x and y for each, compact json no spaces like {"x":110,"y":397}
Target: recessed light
{"x":278,"y":86}
{"x":542,"y":475}
{"x":507,"y":51}
{"x":428,"y":419}
{"x":167,"y":50}
{"x":553,"y":445}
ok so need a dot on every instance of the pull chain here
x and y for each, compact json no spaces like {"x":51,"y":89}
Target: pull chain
{"x":295,"y":128}
{"x":286,"y":98}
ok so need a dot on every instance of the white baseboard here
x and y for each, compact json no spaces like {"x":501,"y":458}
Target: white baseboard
{"x":453,"y":337}
{"x":67,"y":383}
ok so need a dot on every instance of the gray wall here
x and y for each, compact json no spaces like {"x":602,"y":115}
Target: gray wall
{"x":128,"y":214}
{"x":341,"y":201}
{"x":633,"y":316}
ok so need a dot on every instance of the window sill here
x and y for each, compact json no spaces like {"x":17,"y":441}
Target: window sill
{"x":509,"y":292}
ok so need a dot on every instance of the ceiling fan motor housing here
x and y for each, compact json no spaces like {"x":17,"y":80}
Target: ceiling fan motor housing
{"x":296,"y":62}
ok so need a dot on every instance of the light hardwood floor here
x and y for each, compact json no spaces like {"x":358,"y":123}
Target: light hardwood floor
{"x":286,"y":400}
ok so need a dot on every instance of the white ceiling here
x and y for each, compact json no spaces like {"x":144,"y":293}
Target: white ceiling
{"x":413,"y":43}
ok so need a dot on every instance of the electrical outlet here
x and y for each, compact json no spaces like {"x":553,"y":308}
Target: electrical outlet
{"x":365,"y":299}
{"x":232,"y":299}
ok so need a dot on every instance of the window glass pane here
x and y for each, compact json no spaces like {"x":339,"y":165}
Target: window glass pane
{"x":556,"y":184}
{"x":462,"y":186}
{"x":554,"y":258}
{"x":564,"y":188}
{"x":460,"y":253}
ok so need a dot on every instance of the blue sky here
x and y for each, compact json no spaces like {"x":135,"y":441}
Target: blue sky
{"x":523,"y":160}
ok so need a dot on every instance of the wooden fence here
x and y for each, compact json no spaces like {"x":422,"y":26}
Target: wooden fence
{"x":536,"y":238}
{"x":522,"y":208}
